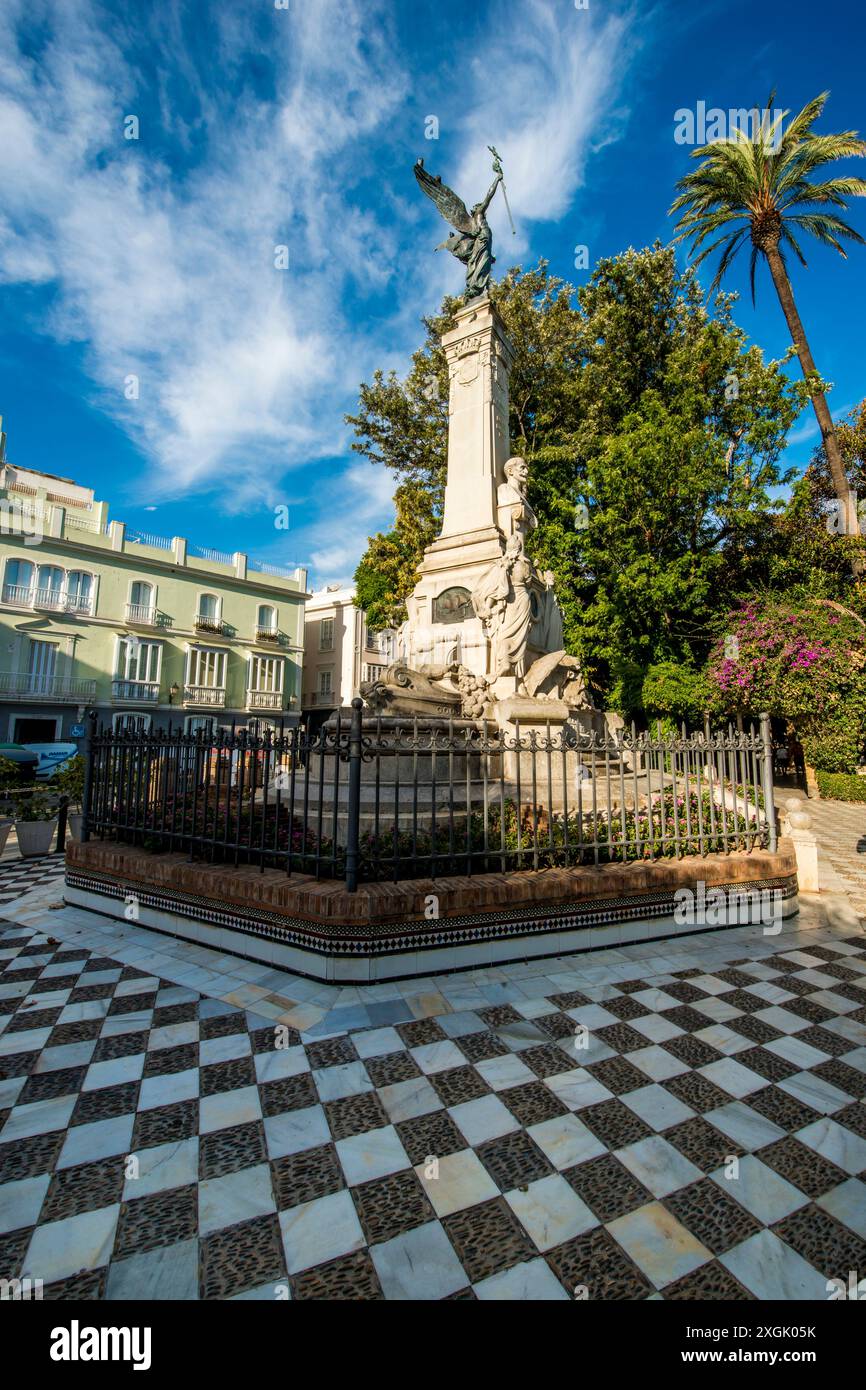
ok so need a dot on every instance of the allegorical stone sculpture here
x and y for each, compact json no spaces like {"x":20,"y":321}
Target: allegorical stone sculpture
{"x":472,"y":240}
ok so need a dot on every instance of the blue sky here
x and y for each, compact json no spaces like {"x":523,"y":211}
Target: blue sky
{"x":261,"y":127}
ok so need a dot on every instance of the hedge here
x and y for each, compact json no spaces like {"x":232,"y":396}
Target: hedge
{"x":841,"y":786}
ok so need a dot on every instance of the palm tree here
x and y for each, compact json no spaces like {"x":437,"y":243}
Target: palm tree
{"x":758,"y":189}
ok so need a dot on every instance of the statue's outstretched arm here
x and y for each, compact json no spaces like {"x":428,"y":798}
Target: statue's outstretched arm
{"x":490,"y":192}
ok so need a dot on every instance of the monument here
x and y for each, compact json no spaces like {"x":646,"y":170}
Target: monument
{"x":483,"y":636}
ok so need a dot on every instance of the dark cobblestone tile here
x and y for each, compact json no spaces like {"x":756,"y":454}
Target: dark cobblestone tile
{"x":351,"y":1278}
{"x":683,"y":991}
{"x":420,"y":1032}
{"x":478,"y":1047}
{"x":221,"y":1026}
{"x":573,"y":999}
{"x":330,"y":1052}
{"x":614,"y":1124}
{"x":87,"y":1030}
{"x":13,"y":1248}
{"x":767,"y":1064}
{"x":853,"y":1117}
{"x":545,"y":1060}
{"x":687,"y":1018}
{"x":622,"y":1038}
{"x":514,"y":1160}
{"x":241,"y":1257}
{"x":147,"y":1223}
{"x":166,"y":1124}
{"x":83,"y":994}
{"x":625,"y":1007}
{"x":132,"y":1003}
{"x":694,"y":1052}
{"x":848,"y":1079}
{"x":498,"y":1014}
{"x":105,"y":1104}
{"x":355,"y":1115}
{"x":165,"y":1016}
{"x":808,"y":1009}
{"x":435,"y":1134}
{"x":228,"y":1150}
{"x":124,"y":1045}
{"x":84,"y":1188}
{"x":711,"y":1281}
{"x":701,"y":1142}
{"x":825,"y":1041}
{"x":822,"y":1240}
{"x":165,"y":1060}
{"x":488,"y":1239}
{"x":532,"y":1103}
{"x":288,"y":1093}
{"x":756,"y":1029}
{"x":557,"y":1025}
{"x":711,"y":1215}
{"x":393,"y":1067}
{"x":459,"y":1084}
{"x":47,"y":1085}
{"x":596,"y":1263}
{"x":391,"y":1205}
{"x":25,"y":1019}
{"x":88,"y":1286}
{"x":227,"y":1076}
{"x":27,"y":1158}
{"x":697,"y":1091}
{"x":783,"y":1110}
{"x":607,"y":1187}
{"x":303,"y":1177}
{"x":618,"y":1074}
{"x":803,"y":1167}
{"x":264,"y":1039}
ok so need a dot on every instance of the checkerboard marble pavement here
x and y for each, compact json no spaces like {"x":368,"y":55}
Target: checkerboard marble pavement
{"x":610,"y":1130}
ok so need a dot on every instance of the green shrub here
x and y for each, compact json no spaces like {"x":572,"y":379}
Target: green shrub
{"x":841,"y":786}
{"x":9,"y":773}
{"x":69,"y":781}
{"x":37,"y":805}
{"x":670,"y":687}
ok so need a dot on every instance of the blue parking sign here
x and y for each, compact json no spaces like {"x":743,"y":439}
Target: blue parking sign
{"x":77,"y":731}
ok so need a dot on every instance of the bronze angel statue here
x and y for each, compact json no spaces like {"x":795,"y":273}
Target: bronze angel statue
{"x":472,"y":240}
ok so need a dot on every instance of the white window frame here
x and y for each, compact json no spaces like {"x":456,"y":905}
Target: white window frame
{"x":194,"y":655}
{"x":143,"y":720}
{"x":277,"y":664}
{"x":209,"y":593}
{"x":124,"y":641}
{"x":326,"y":625}
{"x":320,"y":677}
{"x":152,"y":606}
{"x":273,"y":625}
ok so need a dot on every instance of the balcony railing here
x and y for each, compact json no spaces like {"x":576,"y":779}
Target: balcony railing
{"x":267,"y":634}
{"x":211,"y":696}
{"x":27,"y":686}
{"x":55,"y":600}
{"x":205,"y":624}
{"x":142,"y":614}
{"x":264,"y":699}
{"x":135,"y":692}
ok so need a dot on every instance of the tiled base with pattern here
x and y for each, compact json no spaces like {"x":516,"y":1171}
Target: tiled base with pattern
{"x":375,"y":952}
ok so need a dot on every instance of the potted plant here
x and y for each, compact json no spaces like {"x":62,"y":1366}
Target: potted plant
{"x":35,"y":823}
{"x":8,"y":778}
{"x":69,"y":781}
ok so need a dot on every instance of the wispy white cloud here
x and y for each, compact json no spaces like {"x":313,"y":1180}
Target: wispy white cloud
{"x":163,"y":268}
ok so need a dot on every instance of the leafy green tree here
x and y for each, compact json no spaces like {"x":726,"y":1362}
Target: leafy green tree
{"x":653,"y":433}
{"x":756,"y":189}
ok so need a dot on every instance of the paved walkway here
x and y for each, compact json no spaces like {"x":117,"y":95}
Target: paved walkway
{"x":840,"y":828}
{"x":674,"y":1120}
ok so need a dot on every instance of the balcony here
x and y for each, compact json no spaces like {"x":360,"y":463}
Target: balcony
{"x":50,"y":600}
{"x":265,"y":699}
{"x":206,"y":696}
{"x":125,"y":692}
{"x":203,"y":624}
{"x":54,"y":689}
{"x":141,"y":614}
{"x":267,"y":634}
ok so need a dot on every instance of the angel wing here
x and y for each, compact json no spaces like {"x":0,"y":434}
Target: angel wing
{"x":452,"y":208}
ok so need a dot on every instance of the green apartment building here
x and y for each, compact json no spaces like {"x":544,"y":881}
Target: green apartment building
{"x":146,"y":629}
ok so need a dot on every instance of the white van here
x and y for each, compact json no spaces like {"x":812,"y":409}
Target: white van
{"x":52,"y":757}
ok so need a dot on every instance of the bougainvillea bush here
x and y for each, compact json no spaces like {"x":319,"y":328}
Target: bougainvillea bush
{"x":803,"y":662}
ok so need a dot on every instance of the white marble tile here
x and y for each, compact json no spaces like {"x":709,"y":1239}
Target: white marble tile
{"x":533,"y":1280}
{"x":321,"y":1230}
{"x":836,"y":1143}
{"x":406,"y":1099}
{"x":565,"y":1140}
{"x":481,"y":1119}
{"x":500,"y":1073}
{"x":168,"y":1090}
{"x":347,"y":1079}
{"x":731,"y":1076}
{"x":21,"y":1201}
{"x":658,"y":1243}
{"x":577,"y":1088}
{"x":745,"y":1126}
{"x":279,"y":1062}
{"x":419,"y":1265}
{"x":162,"y":1167}
{"x":456,"y":1181}
{"x":759,"y":1189}
{"x":550,"y":1211}
{"x":295,"y":1131}
{"x":236,"y":1197}
{"x":847,"y":1203}
{"x":658,"y":1165}
{"x":657,"y":1106}
{"x":371,"y":1155}
{"x":61,"y":1248}
{"x":815,"y":1091}
{"x":770,"y":1269}
{"x":228,"y":1108}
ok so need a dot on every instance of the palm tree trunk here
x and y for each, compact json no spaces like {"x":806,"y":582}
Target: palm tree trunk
{"x":819,"y":400}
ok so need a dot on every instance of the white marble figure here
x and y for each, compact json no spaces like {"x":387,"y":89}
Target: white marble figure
{"x":514,"y":515}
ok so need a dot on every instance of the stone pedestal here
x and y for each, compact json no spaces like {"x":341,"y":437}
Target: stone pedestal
{"x":442,"y":624}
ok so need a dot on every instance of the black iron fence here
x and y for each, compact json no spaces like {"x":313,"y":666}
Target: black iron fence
{"x":368,"y":798}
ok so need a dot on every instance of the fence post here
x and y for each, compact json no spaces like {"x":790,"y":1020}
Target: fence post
{"x":354,"y":803}
{"x":767,"y":779}
{"x":62,"y":808}
{"x":87,"y":754}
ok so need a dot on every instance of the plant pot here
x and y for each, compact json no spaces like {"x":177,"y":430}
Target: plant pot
{"x":5,"y":827}
{"x":75,"y":820}
{"x":35,"y":837}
